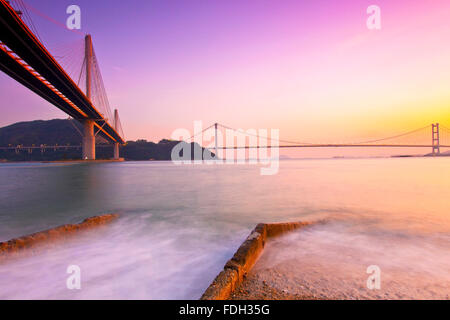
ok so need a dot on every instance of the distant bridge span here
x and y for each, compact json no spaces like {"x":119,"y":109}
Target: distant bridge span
{"x":338,"y":146}
{"x":434,"y":134}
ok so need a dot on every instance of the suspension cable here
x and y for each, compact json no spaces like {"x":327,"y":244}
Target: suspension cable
{"x":309,"y":143}
{"x":201,"y":132}
{"x":258,"y":136}
{"x":392,"y":137}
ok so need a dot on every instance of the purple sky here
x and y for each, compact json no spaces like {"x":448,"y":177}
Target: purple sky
{"x":309,"y":68}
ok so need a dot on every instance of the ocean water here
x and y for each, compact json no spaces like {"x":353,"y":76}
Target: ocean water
{"x":178,"y":225}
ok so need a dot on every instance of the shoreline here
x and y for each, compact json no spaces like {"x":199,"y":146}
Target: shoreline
{"x":2,"y":161}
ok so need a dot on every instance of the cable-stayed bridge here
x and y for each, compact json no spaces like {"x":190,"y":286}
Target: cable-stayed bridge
{"x":24,"y":58}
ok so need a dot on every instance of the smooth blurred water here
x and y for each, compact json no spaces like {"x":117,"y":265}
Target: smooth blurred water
{"x":179,"y":224}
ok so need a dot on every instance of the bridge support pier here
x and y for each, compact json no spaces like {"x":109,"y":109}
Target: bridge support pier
{"x":88,"y":140}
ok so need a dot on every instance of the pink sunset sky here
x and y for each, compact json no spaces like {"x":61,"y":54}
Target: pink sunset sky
{"x":309,"y":68}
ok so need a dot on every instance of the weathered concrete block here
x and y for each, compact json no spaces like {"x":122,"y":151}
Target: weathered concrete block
{"x":61,"y":232}
{"x":247,"y":254}
{"x":222,"y":286}
{"x":275,"y":229}
{"x":245,"y":257}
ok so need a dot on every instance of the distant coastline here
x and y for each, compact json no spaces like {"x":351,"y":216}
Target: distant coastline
{"x":63,"y":132}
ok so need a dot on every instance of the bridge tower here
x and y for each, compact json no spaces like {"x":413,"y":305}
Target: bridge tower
{"x":435,"y":139}
{"x":215,"y":141}
{"x":88,"y":124}
{"x":116,"y":127}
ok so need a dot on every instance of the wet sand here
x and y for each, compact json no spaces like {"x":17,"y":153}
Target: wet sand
{"x":303,"y":265}
{"x":276,"y":284}
{"x":265,"y":286}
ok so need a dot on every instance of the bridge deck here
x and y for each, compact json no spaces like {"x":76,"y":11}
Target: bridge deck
{"x":25,"y":59}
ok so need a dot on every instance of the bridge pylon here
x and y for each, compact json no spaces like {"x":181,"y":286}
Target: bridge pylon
{"x":116,"y":127}
{"x":215,"y":141}
{"x":435,"y":139}
{"x":88,"y":124}
{"x":88,"y":140}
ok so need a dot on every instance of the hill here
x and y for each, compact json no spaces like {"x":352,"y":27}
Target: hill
{"x":38,"y":132}
{"x":66,"y":132}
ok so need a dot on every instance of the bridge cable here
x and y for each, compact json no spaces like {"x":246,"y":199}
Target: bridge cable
{"x":392,"y":137}
{"x":46,"y":17}
{"x":258,"y":136}
{"x":25,"y":16}
{"x":309,"y":143}
{"x":73,"y":124}
{"x":201,"y":132}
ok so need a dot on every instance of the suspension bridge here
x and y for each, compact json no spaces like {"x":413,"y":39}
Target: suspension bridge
{"x":24,"y":58}
{"x":438,"y":138}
